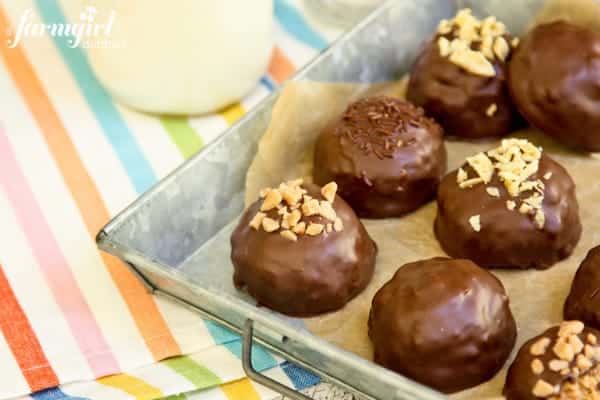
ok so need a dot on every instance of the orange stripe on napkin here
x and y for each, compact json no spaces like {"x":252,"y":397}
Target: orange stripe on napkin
{"x":22,"y":340}
{"x":144,"y":311}
{"x":281,"y":68}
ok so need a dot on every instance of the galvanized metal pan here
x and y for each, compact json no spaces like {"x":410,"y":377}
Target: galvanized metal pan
{"x":176,"y":236}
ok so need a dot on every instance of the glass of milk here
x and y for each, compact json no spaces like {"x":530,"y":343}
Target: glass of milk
{"x":184,"y":56}
{"x":341,"y":13}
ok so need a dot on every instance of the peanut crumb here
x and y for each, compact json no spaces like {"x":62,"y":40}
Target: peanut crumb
{"x":539,"y":347}
{"x":269,"y":224}
{"x":444,"y":46}
{"x":328,"y":228}
{"x":314,"y":229}
{"x":338,"y":225}
{"x":537,"y":367}
{"x":257,"y":220}
{"x":493,"y":191}
{"x":542,"y":389}
{"x":461,"y":176}
{"x":575,"y":343}
{"x":491,"y":110}
{"x":563,"y":350}
{"x":475,"y":222}
{"x":583,"y":363}
{"x":399,"y":143}
{"x":568,"y":328}
{"x":540,"y":219}
{"x":547,"y":175}
{"x":327,"y":211}
{"x":289,"y":235}
{"x":510,"y":205}
{"x":293,"y":218}
{"x":311,"y":207}
{"x":328,"y":191}
{"x":515,"y":42}
{"x":501,"y":48}
{"x":557,"y":365}
{"x":300,"y":228}
{"x":272,"y":200}
{"x":591,"y":338}
{"x":474,"y":62}
{"x":469,"y":183}
{"x":482,"y":165}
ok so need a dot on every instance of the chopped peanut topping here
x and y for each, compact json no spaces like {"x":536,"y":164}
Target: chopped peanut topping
{"x":457,"y":37}
{"x":514,"y":161}
{"x":291,"y":203}
{"x":491,"y":110}
{"x":289,"y":235}
{"x":475,"y":222}
{"x":493,"y":191}
{"x":563,"y":350}
{"x":461,"y":176}
{"x":327,"y":211}
{"x":482,"y":165}
{"x":293,"y":218}
{"x":537,"y":367}
{"x":501,"y":48}
{"x":300,"y":228}
{"x":539,"y":347}
{"x":558,"y":365}
{"x":257,"y":220}
{"x":272,"y":200}
{"x":542,"y":389}
{"x":328,"y":191}
{"x":338,"y":225}
{"x":314,"y":229}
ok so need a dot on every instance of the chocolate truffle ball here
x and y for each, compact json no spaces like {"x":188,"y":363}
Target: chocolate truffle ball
{"x":442,"y":322}
{"x":583,"y":302}
{"x":512,"y":207}
{"x":459,"y":78}
{"x":384,"y":154}
{"x":301,"y":250}
{"x":559,"y":364}
{"x":554,"y":79}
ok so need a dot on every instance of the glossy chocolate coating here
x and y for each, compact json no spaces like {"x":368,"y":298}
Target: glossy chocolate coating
{"x":459,"y":99}
{"x":313,"y":275}
{"x":509,"y":239}
{"x":443,"y":322}
{"x":375,"y":175}
{"x":554,"y":79}
{"x":521,"y":379}
{"x":583,"y":302}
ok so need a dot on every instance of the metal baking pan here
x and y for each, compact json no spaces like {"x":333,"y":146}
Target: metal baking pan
{"x":176,"y":236}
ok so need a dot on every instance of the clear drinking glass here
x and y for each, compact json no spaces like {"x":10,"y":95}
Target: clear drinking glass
{"x":341,"y":13}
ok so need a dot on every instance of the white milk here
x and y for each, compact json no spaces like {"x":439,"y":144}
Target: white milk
{"x":182,"y":56}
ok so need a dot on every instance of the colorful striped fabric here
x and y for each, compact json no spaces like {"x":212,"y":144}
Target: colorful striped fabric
{"x":74,"y":322}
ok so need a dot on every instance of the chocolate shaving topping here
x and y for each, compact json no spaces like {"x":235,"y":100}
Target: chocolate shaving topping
{"x":375,"y":125}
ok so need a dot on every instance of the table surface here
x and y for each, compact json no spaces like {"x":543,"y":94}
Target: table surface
{"x":72,"y":158}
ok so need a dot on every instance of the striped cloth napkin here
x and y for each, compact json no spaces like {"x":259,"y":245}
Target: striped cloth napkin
{"x":74,"y":322}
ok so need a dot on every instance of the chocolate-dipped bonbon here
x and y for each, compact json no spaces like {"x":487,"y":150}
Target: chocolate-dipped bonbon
{"x":459,"y":77}
{"x":554,"y":79}
{"x":386,"y":156}
{"x":443,"y":322}
{"x":301,"y":250}
{"x":559,"y":364}
{"x":583,"y":301}
{"x":511,"y":207}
